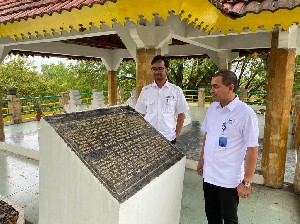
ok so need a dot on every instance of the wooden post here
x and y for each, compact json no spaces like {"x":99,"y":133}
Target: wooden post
{"x":201,"y":97}
{"x":144,"y":75}
{"x":297,"y":146}
{"x":297,"y":126}
{"x":112,"y":88}
{"x":2,"y":136}
{"x":295,"y":109}
{"x":296,"y":185}
{"x":277,"y":118}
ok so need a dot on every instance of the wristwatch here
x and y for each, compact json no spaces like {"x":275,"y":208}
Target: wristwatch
{"x":246,"y":184}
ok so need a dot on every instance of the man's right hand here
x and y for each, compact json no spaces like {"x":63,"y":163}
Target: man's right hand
{"x":200,"y":166}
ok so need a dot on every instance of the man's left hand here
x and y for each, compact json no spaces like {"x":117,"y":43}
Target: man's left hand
{"x":243,"y":191}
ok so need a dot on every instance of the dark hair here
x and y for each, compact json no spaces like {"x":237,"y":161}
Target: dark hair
{"x":228,"y":78}
{"x":160,"y":58}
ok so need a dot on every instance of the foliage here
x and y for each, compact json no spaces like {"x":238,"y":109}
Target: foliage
{"x":176,"y":72}
{"x":56,"y":76}
{"x":297,"y":75}
{"x":126,"y":75}
{"x":192,"y":73}
{"x":82,"y":75}
{"x":88,"y":75}
{"x":20,"y":72}
{"x":37,"y":106}
{"x":251,"y":72}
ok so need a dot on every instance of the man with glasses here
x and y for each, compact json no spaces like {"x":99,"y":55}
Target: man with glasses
{"x":161,"y":101}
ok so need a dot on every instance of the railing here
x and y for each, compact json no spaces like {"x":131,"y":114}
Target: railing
{"x":191,"y":95}
{"x":256,"y":98}
{"x":5,"y":112}
{"x":50,"y":104}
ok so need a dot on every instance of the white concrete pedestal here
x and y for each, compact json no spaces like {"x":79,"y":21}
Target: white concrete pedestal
{"x":70,"y":193}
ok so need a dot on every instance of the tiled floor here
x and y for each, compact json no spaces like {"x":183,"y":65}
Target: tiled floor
{"x":19,"y":182}
{"x":23,"y":135}
{"x":19,"y":178}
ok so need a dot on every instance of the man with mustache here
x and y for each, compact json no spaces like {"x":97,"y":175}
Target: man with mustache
{"x":229,"y":152}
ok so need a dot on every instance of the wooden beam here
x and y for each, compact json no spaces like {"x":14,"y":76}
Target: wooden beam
{"x":277,"y":119}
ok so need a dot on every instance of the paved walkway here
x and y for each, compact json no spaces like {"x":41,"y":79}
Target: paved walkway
{"x":265,"y":206}
{"x":19,"y":178}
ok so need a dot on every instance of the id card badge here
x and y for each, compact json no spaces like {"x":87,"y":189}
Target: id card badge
{"x":222,"y":142}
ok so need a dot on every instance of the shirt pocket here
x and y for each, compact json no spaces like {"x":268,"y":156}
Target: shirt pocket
{"x":150,"y":106}
{"x":232,"y":131}
{"x":170,"y":105}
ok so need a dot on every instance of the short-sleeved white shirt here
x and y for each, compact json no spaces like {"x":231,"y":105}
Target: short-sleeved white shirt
{"x":160,"y":107}
{"x":225,"y":167}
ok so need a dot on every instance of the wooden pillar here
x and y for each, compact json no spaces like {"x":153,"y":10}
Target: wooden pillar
{"x":296,"y":125}
{"x":297,"y":147}
{"x":112,"y":88}
{"x":2,"y":136}
{"x":295,"y":109}
{"x":296,"y":185}
{"x":277,"y":118}
{"x":201,"y":97}
{"x":229,"y":66}
{"x":144,"y":75}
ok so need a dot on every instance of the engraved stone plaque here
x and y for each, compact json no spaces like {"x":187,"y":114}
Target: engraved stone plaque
{"x":121,"y":149}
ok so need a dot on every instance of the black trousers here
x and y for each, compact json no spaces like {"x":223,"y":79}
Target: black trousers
{"x":173,"y":141}
{"x":221,"y":204}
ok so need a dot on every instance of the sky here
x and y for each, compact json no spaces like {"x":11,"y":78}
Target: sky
{"x":38,"y":61}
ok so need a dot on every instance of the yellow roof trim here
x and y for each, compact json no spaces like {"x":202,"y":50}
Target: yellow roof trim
{"x":199,"y":12}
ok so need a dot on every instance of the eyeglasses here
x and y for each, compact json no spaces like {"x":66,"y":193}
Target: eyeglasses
{"x":159,"y":69}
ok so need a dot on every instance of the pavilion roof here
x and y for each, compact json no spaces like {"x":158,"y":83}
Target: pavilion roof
{"x":239,"y":8}
{"x":15,"y":10}
{"x":26,"y":18}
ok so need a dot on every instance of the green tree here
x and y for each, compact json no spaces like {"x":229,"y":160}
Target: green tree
{"x":82,"y":75}
{"x":20,"y":72}
{"x":57,"y":76}
{"x":192,"y":73}
{"x":176,"y":72}
{"x":88,"y":75}
{"x":297,"y":75}
{"x":127,"y":75}
{"x":251,"y":72}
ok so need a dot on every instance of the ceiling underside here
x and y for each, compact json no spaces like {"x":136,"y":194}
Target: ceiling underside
{"x":113,"y":41}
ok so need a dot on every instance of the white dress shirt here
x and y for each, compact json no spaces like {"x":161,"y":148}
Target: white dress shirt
{"x":160,"y":107}
{"x":225,"y":167}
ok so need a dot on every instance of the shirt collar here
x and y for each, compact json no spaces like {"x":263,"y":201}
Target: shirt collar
{"x":167,"y":84}
{"x":231,"y":105}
